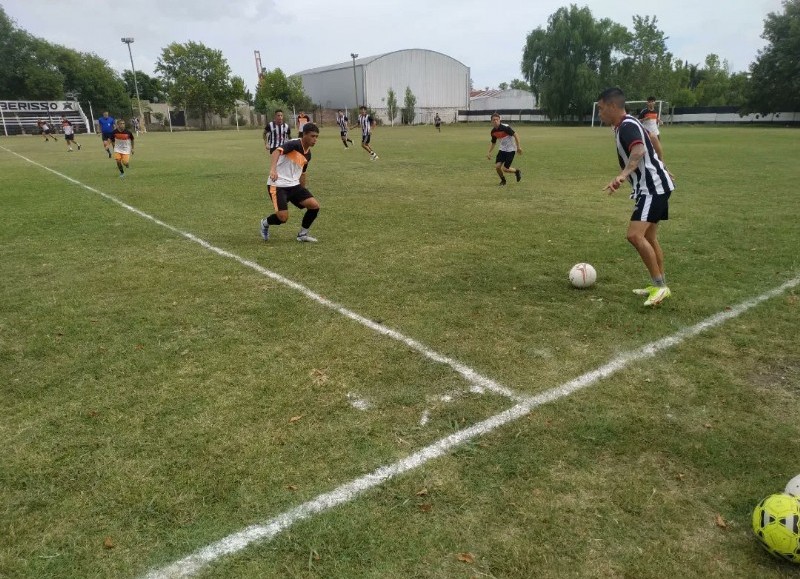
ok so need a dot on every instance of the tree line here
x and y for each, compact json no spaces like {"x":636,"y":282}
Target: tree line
{"x":568,"y":62}
{"x":564,"y":64}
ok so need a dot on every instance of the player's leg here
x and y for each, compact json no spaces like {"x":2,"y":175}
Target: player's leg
{"x":306,"y":200}
{"x":280,"y":205}
{"x":641,"y":234}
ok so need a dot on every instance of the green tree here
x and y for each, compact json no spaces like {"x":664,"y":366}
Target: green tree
{"x":646,"y":68}
{"x":503,"y":86}
{"x":775,"y":75}
{"x":150,"y":87}
{"x":391,"y":105}
{"x":276,"y":87}
{"x":407,"y":113}
{"x":520,"y":85}
{"x":567,"y":64}
{"x":713,"y":88}
{"x":32,"y":68}
{"x":197,"y":78}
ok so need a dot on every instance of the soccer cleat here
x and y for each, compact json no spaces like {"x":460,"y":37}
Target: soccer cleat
{"x":657,"y":295}
{"x":122,"y":175}
{"x":306,"y":237}
{"x":109,"y":153}
{"x":644,"y":291}
{"x":265,"y":229}
{"x":69,"y":150}
{"x":501,"y":183}
{"x":518,"y":175}
{"x":79,"y":147}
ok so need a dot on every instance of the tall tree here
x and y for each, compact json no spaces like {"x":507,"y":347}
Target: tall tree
{"x":775,"y":75}
{"x":407,"y":113}
{"x":713,"y":89}
{"x":646,"y":68}
{"x":32,"y":68}
{"x":198,"y":78}
{"x":391,"y":105}
{"x":281,"y":91}
{"x":150,"y":88}
{"x":567,"y":64}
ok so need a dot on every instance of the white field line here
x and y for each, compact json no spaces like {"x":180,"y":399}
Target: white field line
{"x":236,"y":542}
{"x":479,"y":382}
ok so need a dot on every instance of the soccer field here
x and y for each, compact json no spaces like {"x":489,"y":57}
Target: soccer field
{"x":421,"y":393}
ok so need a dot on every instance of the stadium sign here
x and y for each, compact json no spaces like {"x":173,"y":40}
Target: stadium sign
{"x":38,"y":106}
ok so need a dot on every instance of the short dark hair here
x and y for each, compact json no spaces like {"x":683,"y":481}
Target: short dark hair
{"x":310,"y":128}
{"x":614,"y":95}
{"x":651,"y":99}
{"x":362,"y":107}
{"x":495,"y":115}
{"x":278,"y":111}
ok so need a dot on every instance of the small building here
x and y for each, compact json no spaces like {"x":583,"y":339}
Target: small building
{"x":512,"y":104}
{"x":439,"y":83}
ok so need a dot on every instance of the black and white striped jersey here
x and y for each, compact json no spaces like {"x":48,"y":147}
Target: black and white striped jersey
{"x":651,"y":176}
{"x":277,"y":134}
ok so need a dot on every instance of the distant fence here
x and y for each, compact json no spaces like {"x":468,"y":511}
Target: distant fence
{"x":678,"y":115}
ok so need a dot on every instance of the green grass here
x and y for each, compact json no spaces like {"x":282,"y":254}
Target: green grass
{"x":148,"y":386}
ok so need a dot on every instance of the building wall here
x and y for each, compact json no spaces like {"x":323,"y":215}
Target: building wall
{"x":507,"y":100}
{"x":439,"y":83}
{"x":436,"y":80}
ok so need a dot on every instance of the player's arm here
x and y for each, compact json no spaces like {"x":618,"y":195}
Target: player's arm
{"x":491,"y":147}
{"x":519,"y":147}
{"x":132,"y":139}
{"x":635,"y":156}
{"x":273,"y":163}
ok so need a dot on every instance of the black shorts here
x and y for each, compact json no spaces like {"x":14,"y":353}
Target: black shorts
{"x":108,"y":136}
{"x":365,"y":139}
{"x":651,"y":208}
{"x":69,"y":137}
{"x":505,"y":157}
{"x":343,"y":133}
{"x":47,"y":131}
{"x":282,"y":196}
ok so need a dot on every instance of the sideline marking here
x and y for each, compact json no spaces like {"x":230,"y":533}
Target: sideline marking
{"x":236,"y":542}
{"x":478,"y":381}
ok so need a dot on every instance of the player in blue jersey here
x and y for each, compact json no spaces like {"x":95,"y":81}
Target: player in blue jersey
{"x":107,"y":126}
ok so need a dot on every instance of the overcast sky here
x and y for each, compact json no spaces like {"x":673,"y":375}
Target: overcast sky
{"x":486,"y":36}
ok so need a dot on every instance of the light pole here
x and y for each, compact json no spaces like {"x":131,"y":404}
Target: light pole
{"x":128,"y":40}
{"x":353,"y":55}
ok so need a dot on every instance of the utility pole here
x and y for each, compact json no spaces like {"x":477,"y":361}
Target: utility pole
{"x":128,"y":40}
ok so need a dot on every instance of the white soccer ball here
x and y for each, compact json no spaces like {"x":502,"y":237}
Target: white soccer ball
{"x":582,"y":275}
{"x":793,"y":486}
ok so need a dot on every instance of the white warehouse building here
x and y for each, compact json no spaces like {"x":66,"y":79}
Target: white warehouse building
{"x":439,"y":83}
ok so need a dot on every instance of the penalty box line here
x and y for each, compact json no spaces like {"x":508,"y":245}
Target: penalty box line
{"x":478,"y":382}
{"x":259,"y":533}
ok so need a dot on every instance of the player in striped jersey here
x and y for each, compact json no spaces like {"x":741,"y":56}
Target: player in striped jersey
{"x":367,"y":124}
{"x":342,"y":121}
{"x":652,"y":185}
{"x":276,"y":132}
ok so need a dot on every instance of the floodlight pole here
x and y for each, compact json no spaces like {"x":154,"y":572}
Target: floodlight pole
{"x":353,"y":55}
{"x":128,"y":40}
